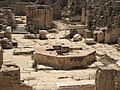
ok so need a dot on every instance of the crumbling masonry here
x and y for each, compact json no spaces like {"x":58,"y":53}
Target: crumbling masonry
{"x":39,"y":17}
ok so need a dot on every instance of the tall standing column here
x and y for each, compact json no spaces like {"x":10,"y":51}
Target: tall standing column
{"x":83,"y":16}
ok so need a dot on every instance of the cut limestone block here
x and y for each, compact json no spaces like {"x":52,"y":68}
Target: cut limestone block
{"x":78,"y":85}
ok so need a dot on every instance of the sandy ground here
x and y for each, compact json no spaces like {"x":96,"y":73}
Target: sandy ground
{"x":47,"y":79}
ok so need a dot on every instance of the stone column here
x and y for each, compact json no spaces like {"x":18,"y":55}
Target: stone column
{"x":119,"y":43}
{"x":107,"y":36}
{"x":83,"y":16}
{"x":1,"y":56}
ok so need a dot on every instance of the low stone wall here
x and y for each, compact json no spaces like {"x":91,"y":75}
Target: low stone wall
{"x":65,"y":62}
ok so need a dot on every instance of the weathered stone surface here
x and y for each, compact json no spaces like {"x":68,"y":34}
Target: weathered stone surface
{"x":29,"y":36}
{"x":65,"y":49}
{"x":87,"y":33}
{"x":89,"y":41}
{"x":77,"y":37}
{"x":23,"y":51}
{"x":1,"y":57}
{"x":2,"y":34}
{"x":81,"y":85}
{"x":99,"y":36}
{"x":6,"y":44}
{"x":4,"y":3}
{"x":107,"y":78}
{"x":42,"y":34}
{"x":12,"y":70}
{"x":67,"y":60}
{"x":119,"y":43}
{"x":39,"y":17}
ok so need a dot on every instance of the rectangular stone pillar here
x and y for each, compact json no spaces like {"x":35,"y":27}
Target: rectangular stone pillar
{"x":119,"y":43}
{"x":105,"y":79}
{"x":1,"y":56}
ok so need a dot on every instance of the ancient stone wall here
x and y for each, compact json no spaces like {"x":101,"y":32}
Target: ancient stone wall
{"x":8,"y":19}
{"x":4,"y":3}
{"x":112,"y":35}
{"x":39,"y":17}
{"x":107,"y":78}
{"x":20,"y":8}
{"x":104,"y":12}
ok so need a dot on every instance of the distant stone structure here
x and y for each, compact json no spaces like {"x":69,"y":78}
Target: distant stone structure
{"x":20,"y":8}
{"x":119,"y":43}
{"x":1,"y":56}
{"x":7,"y":18}
{"x":8,"y":3}
{"x":7,"y":25}
{"x":103,"y":13}
{"x":56,"y":5}
{"x":39,"y":17}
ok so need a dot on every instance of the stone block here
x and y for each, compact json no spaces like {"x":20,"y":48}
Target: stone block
{"x":2,"y":34}
{"x":119,"y":43}
{"x":12,"y":70}
{"x":99,"y":36}
{"x":87,"y":33}
{"x":57,"y":47}
{"x":106,"y":78}
{"x":40,"y":17}
{"x":81,"y":85}
{"x":89,"y":41}
{"x":23,"y":51}
{"x":1,"y":57}
{"x":65,"y":49}
{"x":42,"y":34}
{"x":77,"y":37}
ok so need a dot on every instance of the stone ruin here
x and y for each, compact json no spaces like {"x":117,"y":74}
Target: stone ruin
{"x":6,"y":26}
{"x":10,"y":76}
{"x":106,"y":19}
{"x":57,"y":6}
{"x":20,"y":8}
{"x":7,"y":18}
{"x":64,"y":56}
{"x":103,"y":23}
{"x":39,"y":17}
{"x":107,"y":78}
{"x":81,"y":85}
{"x":7,"y":3}
{"x":119,"y":44}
